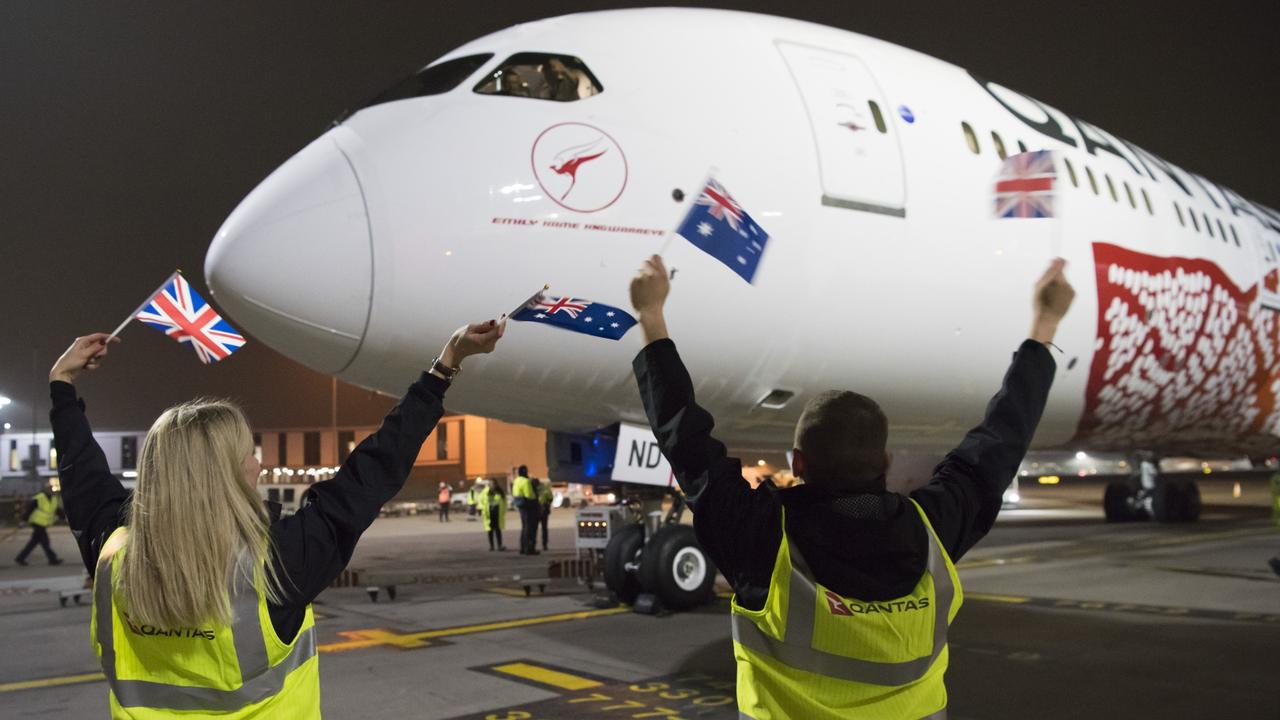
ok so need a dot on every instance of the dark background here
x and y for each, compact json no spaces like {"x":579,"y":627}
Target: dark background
{"x":130,"y":131}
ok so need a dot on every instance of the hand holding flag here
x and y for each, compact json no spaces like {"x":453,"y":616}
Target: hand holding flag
{"x":575,"y":314}
{"x":85,"y":353}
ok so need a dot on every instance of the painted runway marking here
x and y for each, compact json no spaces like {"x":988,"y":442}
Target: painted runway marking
{"x":1123,"y":607}
{"x":542,"y":674}
{"x":672,"y":697}
{"x":367,"y":638}
{"x":51,"y":682}
{"x":1113,"y":547}
{"x":360,"y":639}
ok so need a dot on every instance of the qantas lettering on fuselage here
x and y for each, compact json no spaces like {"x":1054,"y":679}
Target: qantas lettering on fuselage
{"x":1051,"y":123}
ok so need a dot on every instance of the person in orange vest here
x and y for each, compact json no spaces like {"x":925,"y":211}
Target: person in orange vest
{"x":445,"y":497}
{"x":202,"y":593}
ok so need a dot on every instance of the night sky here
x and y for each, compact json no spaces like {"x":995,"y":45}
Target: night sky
{"x":129,"y":132}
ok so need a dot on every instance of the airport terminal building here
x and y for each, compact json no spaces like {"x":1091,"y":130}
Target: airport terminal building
{"x":460,"y":449}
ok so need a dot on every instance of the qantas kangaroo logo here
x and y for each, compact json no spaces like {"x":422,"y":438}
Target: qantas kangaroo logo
{"x":577,"y":155}
{"x":580,"y":167}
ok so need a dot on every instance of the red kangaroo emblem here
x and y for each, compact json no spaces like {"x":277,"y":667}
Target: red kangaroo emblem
{"x":577,"y":156}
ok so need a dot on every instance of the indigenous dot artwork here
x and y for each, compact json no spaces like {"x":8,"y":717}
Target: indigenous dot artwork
{"x":1183,"y":356}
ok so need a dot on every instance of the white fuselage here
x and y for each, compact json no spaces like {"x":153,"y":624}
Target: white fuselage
{"x":886,"y":272}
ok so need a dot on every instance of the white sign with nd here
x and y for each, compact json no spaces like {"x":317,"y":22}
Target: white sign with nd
{"x":639,"y":459}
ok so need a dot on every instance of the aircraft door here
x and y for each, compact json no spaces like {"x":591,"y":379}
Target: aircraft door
{"x":858,"y":154}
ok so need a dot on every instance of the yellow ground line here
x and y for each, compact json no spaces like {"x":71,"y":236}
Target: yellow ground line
{"x":51,"y":682}
{"x":364,"y":639}
{"x":469,"y":629}
{"x":995,"y":598}
{"x":547,"y":676}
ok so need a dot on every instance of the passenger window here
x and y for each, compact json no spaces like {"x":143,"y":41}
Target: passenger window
{"x":1022,"y":147}
{"x":877,"y":116}
{"x":543,"y":76}
{"x":995,"y":138}
{"x":1234,"y":236}
{"x":970,"y":137}
{"x":1146,"y":199}
{"x":1178,"y":209}
{"x":1223,"y":232}
{"x":1093,"y":181}
{"x":433,"y":79}
{"x":1194,"y":222}
{"x":1129,"y":191}
{"x":1207,"y":225}
{"x":1071,"y":172}
{"x":1112,"y":187}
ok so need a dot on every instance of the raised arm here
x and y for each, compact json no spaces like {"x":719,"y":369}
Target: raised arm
{"x":91,"y":495}
{"x":315,"y":544}
{"x":733,"y":521}
{"x":967,"y":489}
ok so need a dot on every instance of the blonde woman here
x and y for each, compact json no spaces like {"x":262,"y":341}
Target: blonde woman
{"x":202,"y":594}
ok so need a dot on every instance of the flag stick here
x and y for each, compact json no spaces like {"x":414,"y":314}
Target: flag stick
{"x":523,"y":305}
{"x":145,"y":303}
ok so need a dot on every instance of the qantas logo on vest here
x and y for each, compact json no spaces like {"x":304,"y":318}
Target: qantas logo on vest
{"x":837,"y":605}
{"x":153,"y":631}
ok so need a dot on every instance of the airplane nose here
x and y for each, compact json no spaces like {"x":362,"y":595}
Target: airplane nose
{"x":293,"y":262}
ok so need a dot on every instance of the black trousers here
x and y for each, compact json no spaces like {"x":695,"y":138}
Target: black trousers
{"x":544,"y":519}
{"x":444,"y":512}
{"x":529,"y":511}
{"x":495,"y":532}
{"x":39,"y":536}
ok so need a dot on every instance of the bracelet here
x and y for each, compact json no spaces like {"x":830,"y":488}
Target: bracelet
{"x":449,"y":373}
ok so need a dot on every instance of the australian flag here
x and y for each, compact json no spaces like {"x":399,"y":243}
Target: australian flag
{"x":576,"y":314}
{"x":719,"y":226}
{"x":1024,"y":187}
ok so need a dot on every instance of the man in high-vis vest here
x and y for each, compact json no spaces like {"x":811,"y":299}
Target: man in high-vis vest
{"x":42,"y":512}
{"x":525,"y":496}
{"x":843,"y":591}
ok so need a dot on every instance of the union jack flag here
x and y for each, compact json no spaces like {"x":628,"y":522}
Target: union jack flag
{"x":568,"y":306}
{"x":1024,"y":186}
{"x":183,"y":315}
{"x":576,"y":315}
{"x":720,"y":227}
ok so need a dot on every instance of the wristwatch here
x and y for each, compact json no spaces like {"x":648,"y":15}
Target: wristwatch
{"x":449,"y":373}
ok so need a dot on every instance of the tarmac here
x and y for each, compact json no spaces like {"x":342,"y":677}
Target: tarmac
{"x":1065,"y":616}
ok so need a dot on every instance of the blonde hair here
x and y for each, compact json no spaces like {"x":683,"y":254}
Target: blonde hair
{"x":193,"y":518}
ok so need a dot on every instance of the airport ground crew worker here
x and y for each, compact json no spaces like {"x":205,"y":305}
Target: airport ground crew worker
{"x":473,"y":498}
{"x":525,"y":496}
{"x":444,"y":497}
{"x":42,"y":511}
{"x":493,"y":510}
{"x":842,"y":591}
{"x":545,"y":497}
{"x":202,"y":593}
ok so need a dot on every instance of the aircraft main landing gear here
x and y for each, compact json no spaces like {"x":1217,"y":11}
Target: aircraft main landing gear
{"x":1165,"y":500}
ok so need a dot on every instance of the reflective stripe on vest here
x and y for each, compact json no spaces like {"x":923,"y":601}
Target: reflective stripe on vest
{"x":796,"y":649}
{"x":258,"y":680}
{"x":940,"y":715}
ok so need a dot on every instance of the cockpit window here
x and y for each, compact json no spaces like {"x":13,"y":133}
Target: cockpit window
{"x":544,"y":76}
{"x":433,"y":79}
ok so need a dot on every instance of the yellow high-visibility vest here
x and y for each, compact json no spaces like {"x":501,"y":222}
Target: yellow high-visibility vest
{"x":242,"y":670}
{"x":46,"y":511}
{"x":811,"y":653}
{"x":522,"y":487}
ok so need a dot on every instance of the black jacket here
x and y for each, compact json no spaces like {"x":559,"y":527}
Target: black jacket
{"x":314,"y":545}
{"x":870,"y":547}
